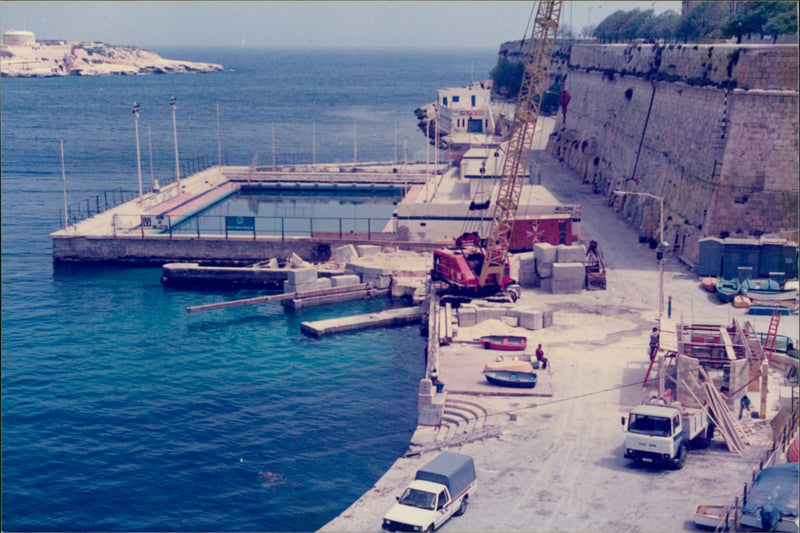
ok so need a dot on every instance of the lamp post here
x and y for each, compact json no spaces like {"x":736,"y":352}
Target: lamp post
{"x":662,"y":246}
{"x":590,"y":17}
{"x":175,"y":137}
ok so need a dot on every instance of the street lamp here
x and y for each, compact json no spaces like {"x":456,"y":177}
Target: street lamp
{"x":662,"y":246}
{"x":590,"y":16}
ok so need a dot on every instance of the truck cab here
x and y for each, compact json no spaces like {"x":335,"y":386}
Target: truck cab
{"x":660,"y":433}
{"x":441,"y":490}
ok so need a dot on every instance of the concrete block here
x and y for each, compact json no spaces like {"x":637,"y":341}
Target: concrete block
{"x":489,"y":313}
{"x":345,"y":253}
{"x":546,"y":284}
{"x":575,"y":253}
{"x":467,"y":316}
{"x":379,"y":282}
{"x":301,"y":276}
{"x":366,"y":250}
{"x":545,"y":252}
{"x":345,"y":280}
{"x":271,"y":264}
{"x":569,"y":272}
{"x":512,"y":321}
{"x":295,"y":261}
{"x":547,"y":318}
{"x":530,"y":319}
{"x":354,"y":268}
{"x":544,"y":270}
{"x":527,"y":261}
{"x":378,"y":270}
{"x":566,"y":287}
{"x":322,"y":283}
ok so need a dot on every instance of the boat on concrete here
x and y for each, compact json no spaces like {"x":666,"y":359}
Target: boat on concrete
{"x":709,"y":283}
{"x":517,"y":374}
{"x":503,"y":342}
{"x":727,"y":289}
{"x":772,"y":502}
{"x":713,"y":515}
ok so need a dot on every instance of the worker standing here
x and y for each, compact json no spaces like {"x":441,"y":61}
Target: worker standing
{"x":653,"y":343}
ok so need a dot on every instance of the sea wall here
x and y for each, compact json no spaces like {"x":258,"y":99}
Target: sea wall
{"x":713,"y":129}
{"x":156,"y":251}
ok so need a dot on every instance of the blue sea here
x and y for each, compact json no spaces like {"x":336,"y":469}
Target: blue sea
{"x":121,"y":411}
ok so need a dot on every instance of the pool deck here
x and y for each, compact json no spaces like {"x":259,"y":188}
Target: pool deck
{"x":138,"y":231}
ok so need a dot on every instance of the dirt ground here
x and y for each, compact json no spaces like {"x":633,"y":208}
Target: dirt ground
{"x":557,"y":464}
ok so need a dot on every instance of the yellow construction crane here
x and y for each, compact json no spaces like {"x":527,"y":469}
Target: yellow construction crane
{"x":486,"y":268}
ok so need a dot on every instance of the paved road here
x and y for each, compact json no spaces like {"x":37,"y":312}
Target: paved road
{"x":557,"y":464}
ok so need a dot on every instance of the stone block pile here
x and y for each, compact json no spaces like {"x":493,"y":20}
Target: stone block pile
{"x":356,"y":265}
{"x":475,"y":312}
{"x":555,"y":269}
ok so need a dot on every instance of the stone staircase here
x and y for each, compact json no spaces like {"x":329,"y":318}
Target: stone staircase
{"x":464,"y":421}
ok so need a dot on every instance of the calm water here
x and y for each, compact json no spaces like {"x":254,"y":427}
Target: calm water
{"x":282,"y":213}
{"x":120,"y":411}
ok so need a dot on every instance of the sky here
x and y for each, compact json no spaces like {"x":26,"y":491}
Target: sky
{"x":293,"y":24}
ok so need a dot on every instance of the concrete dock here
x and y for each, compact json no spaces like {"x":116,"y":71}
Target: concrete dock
{"x":390,"y":317}
{"x":142,"y":231}
{"x":556,"y":463}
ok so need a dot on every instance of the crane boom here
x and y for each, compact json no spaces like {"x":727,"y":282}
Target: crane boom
{"x":526,"y":113}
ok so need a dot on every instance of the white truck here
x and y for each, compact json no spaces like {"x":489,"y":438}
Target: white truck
{"x":660,"y":432}
{"x":440,"y":490}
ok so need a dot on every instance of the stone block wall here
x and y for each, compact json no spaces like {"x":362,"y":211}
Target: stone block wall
{"x":712,"y":129}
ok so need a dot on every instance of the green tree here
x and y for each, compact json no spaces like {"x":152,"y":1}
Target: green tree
{"x":609,"y":30}
{"x":507,"y":77}
{"x":705,"y":20}
{"x":633,"y":28}
{"x":762,"y":18}
{"x":665,"y":24}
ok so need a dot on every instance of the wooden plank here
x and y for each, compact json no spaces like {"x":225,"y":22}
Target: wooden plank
{"x":278,"y":297}
{"x":722,"y":429}
{"x":728,"y":342}
{"x":721,"y":400}
{"x":313,"y":301}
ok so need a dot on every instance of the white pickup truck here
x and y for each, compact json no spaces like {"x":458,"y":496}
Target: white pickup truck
{"x":440,"y":490}
{"x":660,"y":432}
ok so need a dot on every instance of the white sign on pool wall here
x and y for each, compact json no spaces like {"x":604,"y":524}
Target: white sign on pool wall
{"x":158,"y":222}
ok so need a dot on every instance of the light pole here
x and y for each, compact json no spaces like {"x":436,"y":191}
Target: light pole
{"x":138,"y":158}
{"x":590,"y":17}
{"x":175,"y":137}
{"x":662,"y":246}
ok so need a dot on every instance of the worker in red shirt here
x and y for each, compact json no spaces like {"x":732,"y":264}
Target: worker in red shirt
{"x":540,"y":357}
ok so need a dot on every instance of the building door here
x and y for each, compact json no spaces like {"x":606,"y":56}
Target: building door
{"x":475,"y":125}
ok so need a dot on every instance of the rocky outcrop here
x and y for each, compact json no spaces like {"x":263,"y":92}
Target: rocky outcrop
{"x":61,"y":58}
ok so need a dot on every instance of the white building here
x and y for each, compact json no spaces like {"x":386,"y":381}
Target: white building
{"x":18,"y":38}
{"x":466,"y":109}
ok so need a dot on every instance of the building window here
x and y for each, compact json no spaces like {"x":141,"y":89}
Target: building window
{"x":473,"y":100}
{"x":444,"y":101}
{"x":455,"y":98}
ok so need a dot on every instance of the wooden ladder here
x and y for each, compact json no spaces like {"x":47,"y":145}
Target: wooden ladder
{"x":772,"y":336}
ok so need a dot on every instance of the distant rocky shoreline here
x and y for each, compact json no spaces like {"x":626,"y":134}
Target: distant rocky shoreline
{"x":44,"y":59}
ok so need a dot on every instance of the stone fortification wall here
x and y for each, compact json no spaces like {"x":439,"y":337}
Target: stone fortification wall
{"x":712,"y":129}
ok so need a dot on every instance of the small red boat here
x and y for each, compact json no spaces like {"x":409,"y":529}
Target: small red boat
{"x":709,"y":283}
{"x":503,"y":342}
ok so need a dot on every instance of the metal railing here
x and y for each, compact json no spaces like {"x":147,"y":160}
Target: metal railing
{"x":94,"y":205}
{"x":227,"y":227}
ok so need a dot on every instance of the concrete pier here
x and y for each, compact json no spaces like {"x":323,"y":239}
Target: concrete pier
{"x":141,"y":231}
{"x":390,"y":317}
